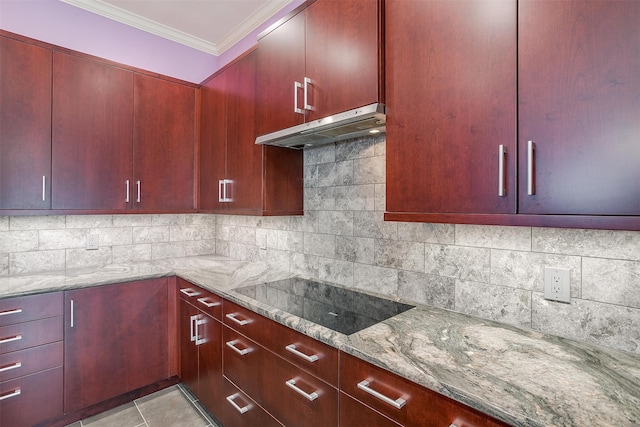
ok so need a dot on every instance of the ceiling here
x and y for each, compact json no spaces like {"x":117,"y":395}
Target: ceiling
{"x":212,"y":26}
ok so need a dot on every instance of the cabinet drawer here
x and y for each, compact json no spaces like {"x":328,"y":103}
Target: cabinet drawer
{"x":305,"y":352}
{"x":24,"y":362}
{"x":32,"y":307}
{"x":206,"y":301}
{"x":240,"y":411}
{"x":402,"y":400}
{"x":243,"y":363}
{"x":30,"y":334}
{"x":356,"y":414}
{"x":31,"y":399}
{"x":297,"y":398}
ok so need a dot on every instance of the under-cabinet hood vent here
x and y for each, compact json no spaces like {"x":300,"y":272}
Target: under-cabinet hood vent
{"x":354,"y":123}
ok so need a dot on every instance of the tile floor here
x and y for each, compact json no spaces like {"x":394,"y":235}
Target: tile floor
{"x":172,"y":407}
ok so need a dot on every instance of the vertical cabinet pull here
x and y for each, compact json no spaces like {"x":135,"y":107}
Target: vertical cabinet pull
{"x":10,"y":367}
{"x":13,"y":393}
{"x":223,"y":196}
{"x":398,"y":403}
{"x":138,"y":188}
{"x":292,"y":348}
{"x":531,"y":152}
{"x":192,"y":322}
{"x":307,"y":82}
{"x":44,"y":188}
{"x":199,"y":322}
{"x":10,"y":339}
{"x":292,"y":385}
{"x":71,"y":313}
{"x":231,"y":399}
{"x":126,"y":190}
{"x":502,"y":152}
{"x":296,"y":87}
{"x":12,"y":311}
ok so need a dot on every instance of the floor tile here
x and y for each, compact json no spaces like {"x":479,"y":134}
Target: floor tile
{"x":122,"y":416}
{"x":169,"y":408}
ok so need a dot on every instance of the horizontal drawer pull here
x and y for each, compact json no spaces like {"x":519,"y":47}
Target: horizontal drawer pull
{"x":8,"y":312}
{"x":292,"y":385}
{"x":232,"y":345}
{"x":292,"y":349}
{"x":189,"y":292}
{"x":6,"y":340}
{"x":14,"y":393}
{"x":398,"y":403}
{"x":232,"y":316}
{"x":208,"y":304}
{"x":231,"y":399}
{"x":10,"y":367}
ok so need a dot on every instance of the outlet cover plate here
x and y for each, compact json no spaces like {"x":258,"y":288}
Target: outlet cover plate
{"x":93,"y":241}
{"x":557,"y":284}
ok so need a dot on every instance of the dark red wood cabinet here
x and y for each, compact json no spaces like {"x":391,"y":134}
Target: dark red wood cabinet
{"x":25,"y":125}
{"x":200,"y":341}
{"x":92,"y":128}
{"x":236,"y":175}
{"x":164,"y":138}
{"x":31,"y":359}
{"x":452,"y":150}
{"x":116,"y":340}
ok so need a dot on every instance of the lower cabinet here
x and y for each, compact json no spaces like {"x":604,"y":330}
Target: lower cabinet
{"x":373,"y":391}
{"x":116,"y":340}
{"x":241,"y":411}
{"x":30,"y":359}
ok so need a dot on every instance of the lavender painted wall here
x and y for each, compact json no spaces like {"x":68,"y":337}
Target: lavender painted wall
{"x":64,"y":25}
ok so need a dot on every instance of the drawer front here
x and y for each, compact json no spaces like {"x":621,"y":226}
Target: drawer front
{"x":356,"y":414}
{"x":297,"y":398}
{"x":243,"y":363}
{"x":28,"y":308}
{"x":31,"y":399}
{"x":30,"y":334}
{"x":240,"y":411}
{"x":402,"y":400}
{"x":305,"y":352}
{"x":24,"y":362}
{"x":201,"y":298}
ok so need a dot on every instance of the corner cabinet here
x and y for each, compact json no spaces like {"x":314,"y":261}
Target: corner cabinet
{"x":116,"y":340}
{"x":25,"y":125}
{"x":236,"y":175}
{"x":458,"y":151}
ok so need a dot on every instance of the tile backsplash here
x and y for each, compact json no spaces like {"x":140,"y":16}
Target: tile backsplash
{"x":487,"y":271}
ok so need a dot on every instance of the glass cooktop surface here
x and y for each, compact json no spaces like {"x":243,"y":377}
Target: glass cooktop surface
{"x":336,"y":308}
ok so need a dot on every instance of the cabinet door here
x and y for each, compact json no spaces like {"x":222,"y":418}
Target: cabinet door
{"x":163,"y":144}
{"x":210,"y":364}
{"x":116,"y":340}
{"x":213,"y":141}
{"x":188,"y":348}
{"x":342,"y":55}
{"x":92,"y":128}
{"x":281,"y":56}
{"x":25,"y":125}
{"x":579,"y":104}
{"x":244,"y":157}
{"x":450,"y":92}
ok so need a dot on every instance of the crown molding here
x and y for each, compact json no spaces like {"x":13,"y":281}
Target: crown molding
{"x":123,"y":16}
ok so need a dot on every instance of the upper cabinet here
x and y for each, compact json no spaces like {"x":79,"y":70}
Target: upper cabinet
{"x":579,"y":107}
{"x":324,"y":60}
{"x":164,"y":139}
{"x":459,"y":151}
{"x":236,"y":175}
{"x":92,"y":128}
{"x":25,"y":125}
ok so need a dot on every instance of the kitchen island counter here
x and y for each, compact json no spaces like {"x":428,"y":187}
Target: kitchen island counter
{"x":519,"y":376}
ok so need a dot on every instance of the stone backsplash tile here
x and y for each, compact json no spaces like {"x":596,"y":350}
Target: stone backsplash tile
{"x":4,"y":264}
{"x":191,"y":232}
{"x":369,"y":170}
{"x":305,"y":265}
{"x":79,"y":258}
{"x":591,"y":243}
{"x":499,"y":303}
{"x":335,"y":271}
{"x":371,"y":224}
{"x":336,"y":222}
{"x":51,"y":222}
{"x":355,"y":249}
{"x":131,"y":253}
{"x":378,"y":279}
{"x":355,"y":197}
{"x":18,"y":241}
{"x":427,"y":289}
{"x":426,"y":233}
{"x":89,"y":221}
{"x":113,"y":236}
{"x":36,"y":261}
{"x":199,"y":247}
{"x":458,"y":262}
{"x":163,"y":250}
{"x":323,"y":245}
{"x":4,"y":223}
{"x":611,"y":281}
{"x":62,"y":239}
{"x":497,"y":237}
{"x":141,"y":220}
{"x":400,"y":255}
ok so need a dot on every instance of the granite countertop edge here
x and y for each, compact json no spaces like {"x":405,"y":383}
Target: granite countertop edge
{"x":471,"y":360}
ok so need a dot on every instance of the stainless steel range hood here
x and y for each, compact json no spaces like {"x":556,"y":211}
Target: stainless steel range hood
{"x":354,"y":123}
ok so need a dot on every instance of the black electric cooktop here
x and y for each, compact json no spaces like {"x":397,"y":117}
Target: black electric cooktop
{"x":336,"y":308}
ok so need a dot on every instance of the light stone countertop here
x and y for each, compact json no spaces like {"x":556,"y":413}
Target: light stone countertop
{"x":522,"y":377}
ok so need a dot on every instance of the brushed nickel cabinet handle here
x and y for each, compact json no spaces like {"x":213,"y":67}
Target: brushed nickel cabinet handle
{"x":231,"y":399}
{"x":296,"y":109}
{"x":72,"y":319}
{"x":232,"y":345}
{"x":292,"y":349}
{"x":502,"y":152}
{"x":11,"y":339}
{"x":200,"y":322}
{"x":307,"y":82}
{"x":10,"y":367}
{"x":12,"y":311}
{"x":44,"y":188}
{"x":531,"y":152}
{"x":126,"y":184}
{"x":397,"y":403}
{"x":13,"y":393}
{"x":207,"y":304}
{"x":292,"y":385}
{"x":232,"y":316}
{"x":189,"y":292}
{"x":138,"y":186}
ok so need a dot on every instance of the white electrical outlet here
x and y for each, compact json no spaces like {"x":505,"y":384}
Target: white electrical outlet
{"x":557,"y":284}
{"x":93,"y":241}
